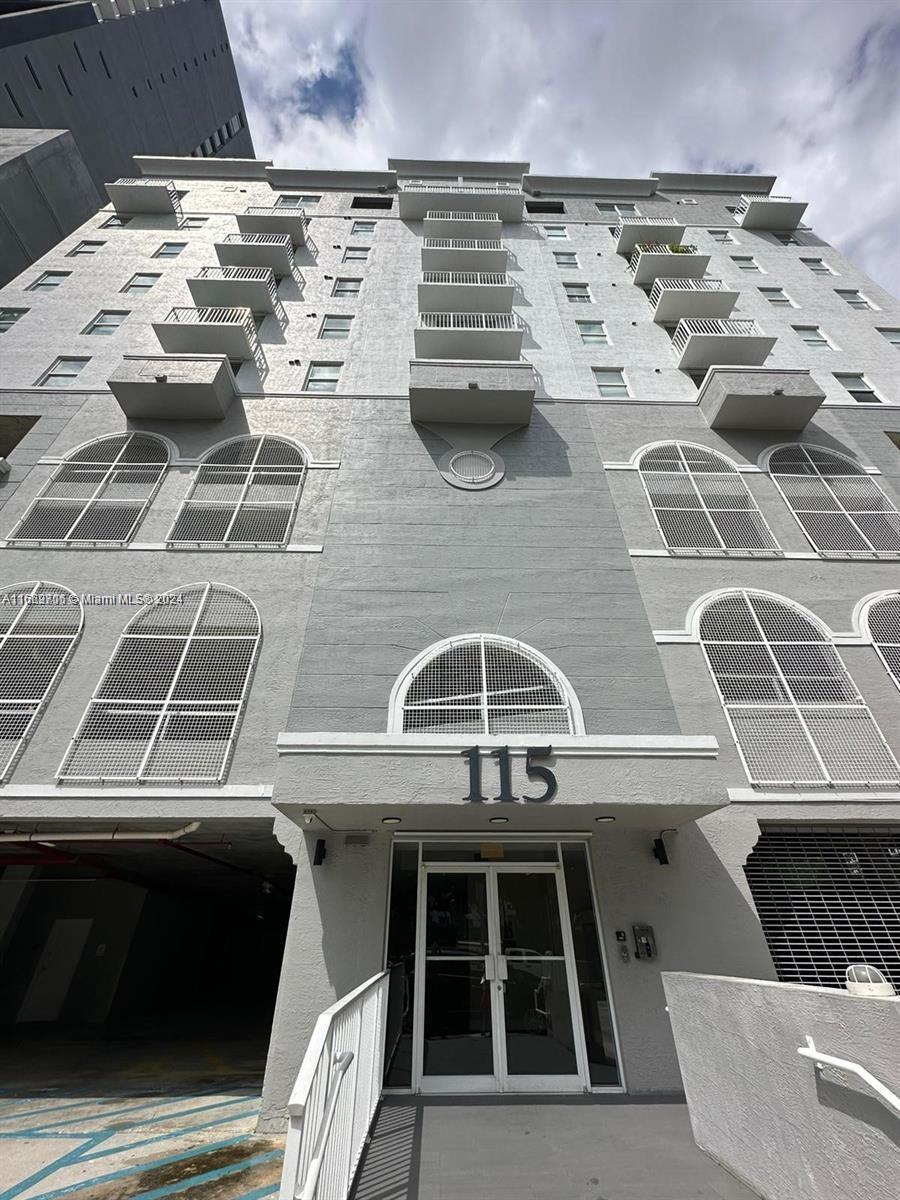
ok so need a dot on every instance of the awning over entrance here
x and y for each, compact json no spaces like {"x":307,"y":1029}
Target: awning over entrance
{"x":464,"y":782}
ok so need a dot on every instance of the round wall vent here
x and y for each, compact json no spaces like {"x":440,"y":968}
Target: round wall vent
{"x":472,"y":466}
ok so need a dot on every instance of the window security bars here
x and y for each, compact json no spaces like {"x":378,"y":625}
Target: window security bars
{"x":486,"y":685}
{"x":244,"y":494}
{"x":795,"y":713}
{"x":40,"y":624}
{"x":884,"y":628}
{"x":168,"y":706}
{"x":840,"y":508}
{"x":98,"y":495}
{"x":701,"y":503}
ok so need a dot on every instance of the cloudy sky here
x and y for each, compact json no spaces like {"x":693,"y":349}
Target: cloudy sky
{"x":804,"y":89}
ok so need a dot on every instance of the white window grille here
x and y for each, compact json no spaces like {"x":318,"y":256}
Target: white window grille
{"x":840,"y":508}
{"x":883,"y":622}
{"x":98,"y":495}
{"x":481,"y":684}
{"x":701,"y":503}
{"x":795,"y":713}
{"x":168,"y":706}
{"x":244,"y":493}
{"x":40,"y":624}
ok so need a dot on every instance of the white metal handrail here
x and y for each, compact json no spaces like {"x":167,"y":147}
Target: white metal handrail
{"x":746,"y":201}
{"x":249,"y":274}
{"x":212,"y":316}
{"x":472,"y":188}
{"x":687,"y":327}
{"x":891,"y":1099}
{"x":333,"y":1103}
{"x":684,"y":285}
{"x":482,"y":278}
{"x":439,"y":214}
{"x":274,"y":210}
{"x":260,"y":239}
{"x":623,"y":221}
{"x":478,"y":321}
{"x":436,"y":243}
{"x":146,"y":181}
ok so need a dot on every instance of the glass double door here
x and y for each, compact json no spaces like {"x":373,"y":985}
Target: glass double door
{"x":497,"y":1010}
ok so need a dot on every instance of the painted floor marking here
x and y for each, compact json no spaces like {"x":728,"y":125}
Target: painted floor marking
{"x":172,"y":1133}
{"x":182,"y":1185}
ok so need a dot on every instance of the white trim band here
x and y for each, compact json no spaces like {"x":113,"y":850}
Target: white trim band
{"x":446,"y":745}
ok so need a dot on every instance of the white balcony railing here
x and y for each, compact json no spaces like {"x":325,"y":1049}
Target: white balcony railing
{"x":713,"y":327}
{"x":623,"y":221}
{"x":244,"y":340}
{"x":434,"y":214}
{"x":481,"y":278}
{"x":746,"y":201}
{"x":475,"y":321}
{"x":250,"y":274}
{"x":440,"y":243}
{"x":274,"y":210}
{"x":684,"y":285}
{"x":147,"y":183}
{"x":474,"y":189}
{"x":334,"y":1100}
{"x":213,"y":316}
{"x":657,"y":248}
{"x":259,"y":239}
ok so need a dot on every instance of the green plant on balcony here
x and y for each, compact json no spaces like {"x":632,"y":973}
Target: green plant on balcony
{"x":679,"y":248}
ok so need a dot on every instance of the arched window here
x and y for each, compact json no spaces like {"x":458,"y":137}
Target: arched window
{"x":840,"y":508}
{"x":700,"y":501}
{"x":883,"y":621}
{"x":480,"y":684}
{"x":99,"y":493}
{"x":168,"y":706}
{"x":244,"y":493}
{"x":795,"y":713}
{"x":39,"y":626}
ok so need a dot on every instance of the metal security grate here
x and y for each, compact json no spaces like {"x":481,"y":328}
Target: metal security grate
{"x":884,"y":627}
{"x":486,"y":685}
{"x":245,"y":494}
{"x":828,"y":896}
{"x":40,"y":624}
{"x":98,"y":495}
{"x":168,"y":706}
{"x":701,"y":503}
{"x":840,"y":508}
{"x":794,"y":711}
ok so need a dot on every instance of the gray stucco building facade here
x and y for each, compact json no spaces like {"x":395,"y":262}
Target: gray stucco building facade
{"x":501,"y":569}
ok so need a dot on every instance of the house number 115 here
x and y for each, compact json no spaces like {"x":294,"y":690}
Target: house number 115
{"x":532,"y":770}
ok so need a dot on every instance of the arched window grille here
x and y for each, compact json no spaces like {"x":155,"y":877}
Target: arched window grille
{"x":244,"y":493}
{"x":40,"y":624}
{"x":480,"y":684}
{"x":99,"y":494}
{"x":796,"y":715}
{"x":883,"y":620}
{"x":840,"y":508}
{"x":700,"y":501}
{"x":169,"y":704}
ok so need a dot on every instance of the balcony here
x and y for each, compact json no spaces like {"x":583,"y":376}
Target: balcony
{"x":760,"y":398}
{"x":161,"y":387}
{"x":769,"y":212}
{"x":700,"y":342}
{"x":631,"y":230}
{"x":672,"y":299}
{"x":470,"y":224}
{"x":269,"y":218}
{"x":499,"y":393}
{"x":463,"y":254}
{"x":135,"y":197}
{"x":272,"y":250}
{"x":461,"y":291}
{"x":469,"y":335}
{"x":228,"y":331}
{"x":505,"y":200}
{"x":659,"y":260}
{"x":237,"y":287}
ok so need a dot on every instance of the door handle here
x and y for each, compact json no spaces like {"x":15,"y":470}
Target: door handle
{"x":489,"y":973}
{"x":502,"y":968}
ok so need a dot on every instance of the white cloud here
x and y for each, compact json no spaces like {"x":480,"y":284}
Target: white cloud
{"x":805,"y":89}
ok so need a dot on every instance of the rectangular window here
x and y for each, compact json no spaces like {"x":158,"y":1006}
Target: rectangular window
{"x":593,"y":333}
{"x":346,"y":287}
{"x":115,"y":222}
{"x":169,"y":250}
{"x":296,"y":201}
{"x":607,"y":209}
{"x":817,"y":265}
{"x":323,"y":377}
{"x":577,"y":293}
{"x":557,"y":232}
{"x":610,"y":381}
{"x":140,"y":283}
{"x":813,"y":336}
{"x":686,"y":200}
{"x":786,"y":239}
{"x":859,"y":388}
{"x":194,"y":222}
{"x":337,"y":329}
{"x":777,"y":296}
{"x":62,"y":373}
{"x":745,"y":263}
{"x":565,"y":258}
{"x":49,"y":280}
{"x":9,"y":316}
{"x":372,"y":202}
{"x":106,"y":322}
{"x":892,"y":335}
{"x":362,"y":229}
{"x":722,"y":235}
{"x":544,"y":206}
{"x":85,"y":248}
{"x":356,"y":254}
{"x":854,"y":298}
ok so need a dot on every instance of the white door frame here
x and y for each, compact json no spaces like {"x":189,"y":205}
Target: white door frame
{"x":501,"y":1080}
